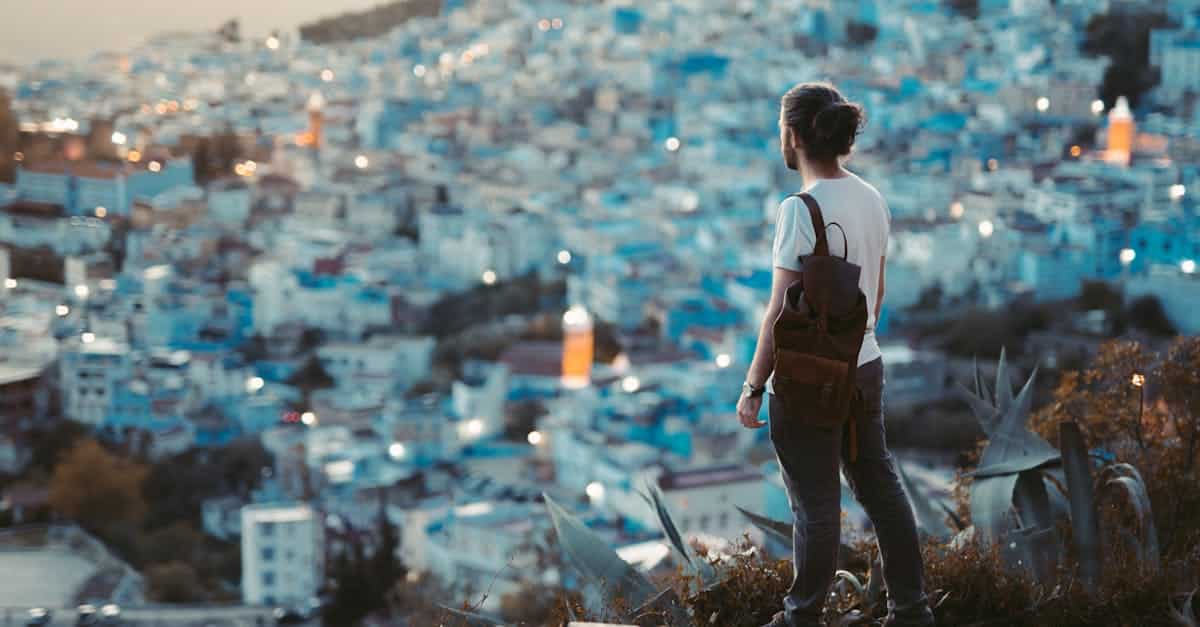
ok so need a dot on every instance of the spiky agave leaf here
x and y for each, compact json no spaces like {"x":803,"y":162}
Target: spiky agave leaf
{"x":991,"y":505}
{"x":1181,"y":611}
{"x":596,"y":560}
{"x":665,"y":604}
{"x":874,"y":582}
{"x":1012,"y":447}
{"x":778,"y":530}
{"x":928,"y":519}
{"x":1125,"y":479}
{"x":845,"y":577}
{"x":1004,"y":395}
{"x":472,"y":619}
{"x":654,"y":498}
{"x":1085,"y":525}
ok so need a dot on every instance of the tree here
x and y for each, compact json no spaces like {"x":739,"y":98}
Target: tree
{"x":9,"y":139}
{"x":254,"y":348}
{"x":362,"y":583}
{"x":860,"y":33}
{"x":174,"y":582}
{"x":226,"y":150}
{"x":351,"y":599}
{"x":311,"y":377}
{"x":966,"y":8}
{"x":1099,"y":295}
{"x":98,"y":489}
{"x":385,"y":566}
{"x":1147,"y":314}
{"x":202,"y":161}
{"x":241,"y":464}
{"x":176,"y":541}
{"x":1123,"y":35}
{"x":522,"y":418}
{"x":50,"y":442}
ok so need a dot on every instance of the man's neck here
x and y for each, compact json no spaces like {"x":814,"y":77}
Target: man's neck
{"x":811,"y":174}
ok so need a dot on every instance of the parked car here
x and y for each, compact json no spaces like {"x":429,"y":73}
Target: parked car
{"x":110,"y":614}
{"x":85,"y":614}
{"x":290,"y":615}
{"x":38,"y":616}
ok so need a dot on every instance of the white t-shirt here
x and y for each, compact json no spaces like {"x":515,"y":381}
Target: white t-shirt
{"x":860,"y":209}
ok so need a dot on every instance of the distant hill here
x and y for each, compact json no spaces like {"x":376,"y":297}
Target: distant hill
{"x":369,"y":23}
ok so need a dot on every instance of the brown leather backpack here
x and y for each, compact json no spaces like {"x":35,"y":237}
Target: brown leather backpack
{"x":819,"y":333}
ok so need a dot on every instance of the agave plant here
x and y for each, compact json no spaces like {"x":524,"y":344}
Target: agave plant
{"x":1010,"y":503}
{"x":1010,"y":479}
{"x":620,"y":583}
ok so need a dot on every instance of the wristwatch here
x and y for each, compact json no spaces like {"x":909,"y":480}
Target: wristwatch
{"x":752,"y":390}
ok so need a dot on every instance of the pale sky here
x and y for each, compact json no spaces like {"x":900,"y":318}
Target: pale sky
{"x":72,"y":29}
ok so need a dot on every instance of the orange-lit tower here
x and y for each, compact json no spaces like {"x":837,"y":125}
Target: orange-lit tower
{"x":578,"y":348}
{"x":1120,"y":133}
{"x":316,"y":117}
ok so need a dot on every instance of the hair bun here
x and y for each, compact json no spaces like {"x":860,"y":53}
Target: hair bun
{"x":837,"y":125}
{"x":825,"y":122}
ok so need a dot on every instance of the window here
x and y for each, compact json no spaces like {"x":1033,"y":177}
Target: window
{"x":704,"y":522}
{"x":268,"y":554}
{"x":723,"y":520}
{"x":268,"y":529}
{"x":268,"y":578}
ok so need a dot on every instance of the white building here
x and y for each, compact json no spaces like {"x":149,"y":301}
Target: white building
{"x":381,"y":363}
{"x":283,"y":554}
{"x":90,"y":369}
{"x":490,"y":547}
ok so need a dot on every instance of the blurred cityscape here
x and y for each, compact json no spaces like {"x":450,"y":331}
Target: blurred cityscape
{"x":307,"y":322}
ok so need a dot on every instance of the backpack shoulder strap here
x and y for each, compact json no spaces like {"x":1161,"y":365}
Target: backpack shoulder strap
{"x":821,"y":246}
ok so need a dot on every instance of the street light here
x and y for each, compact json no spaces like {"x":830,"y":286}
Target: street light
{"x":1188,"y":266}
{"x":564,"y":257}
{"x":672,"y":144}
{"x":595,"y":491}
{"x":1127,"y":256}
{"x":986,"y":228}
{"x":534,"y":437}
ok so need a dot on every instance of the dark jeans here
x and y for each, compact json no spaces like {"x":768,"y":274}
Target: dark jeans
{"x":809,"y":457}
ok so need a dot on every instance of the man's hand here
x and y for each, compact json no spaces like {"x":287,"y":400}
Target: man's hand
{"x":747,"y":411}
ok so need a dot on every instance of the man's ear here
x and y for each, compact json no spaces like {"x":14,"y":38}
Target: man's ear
{"x":792,"y":139}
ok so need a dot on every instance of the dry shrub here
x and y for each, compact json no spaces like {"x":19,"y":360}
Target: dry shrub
{"x":751,"y":588}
